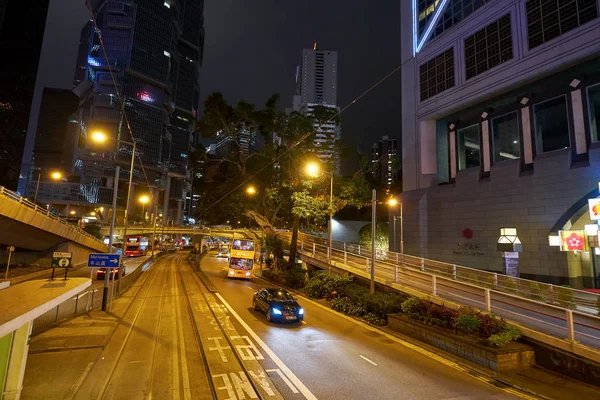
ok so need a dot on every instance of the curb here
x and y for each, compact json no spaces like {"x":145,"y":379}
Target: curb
{"x":467,"y":368}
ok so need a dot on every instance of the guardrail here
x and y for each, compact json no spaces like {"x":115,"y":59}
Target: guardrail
{"x":22,"y":200}
{"x":541,"y":316}
{"x":564,"y":297}
{"x":86,"y":301}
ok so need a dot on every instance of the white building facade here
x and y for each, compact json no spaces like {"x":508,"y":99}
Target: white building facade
{"x":500,"y":102}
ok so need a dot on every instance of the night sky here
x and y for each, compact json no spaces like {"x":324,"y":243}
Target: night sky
{"x":252,"y":49}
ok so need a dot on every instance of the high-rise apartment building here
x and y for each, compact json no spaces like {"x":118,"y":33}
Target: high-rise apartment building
{"x":316,"y":86}
{"x":500,"y":110}
{"x":149,"y":53}
{"x":384,"y":157}
{"x":22,"y":25}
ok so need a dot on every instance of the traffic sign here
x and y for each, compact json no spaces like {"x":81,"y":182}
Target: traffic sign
{"x":61,"y":259}
{"x":102,"y":260}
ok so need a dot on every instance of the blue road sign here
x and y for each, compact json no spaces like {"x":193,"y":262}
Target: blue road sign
{"x":102,"y":260}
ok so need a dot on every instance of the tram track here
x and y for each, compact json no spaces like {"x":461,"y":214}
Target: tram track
{"x":211,"y":305}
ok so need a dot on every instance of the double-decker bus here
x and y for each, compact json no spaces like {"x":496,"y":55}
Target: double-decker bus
{"x":136,"y":246}
{"x":241,"y":259}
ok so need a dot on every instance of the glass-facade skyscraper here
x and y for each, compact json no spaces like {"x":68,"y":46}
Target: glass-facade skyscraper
{"x":148,"y":51}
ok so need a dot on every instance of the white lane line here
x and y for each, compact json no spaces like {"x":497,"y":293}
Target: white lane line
{"x":303,"y":389}
{"x":366,"y":359}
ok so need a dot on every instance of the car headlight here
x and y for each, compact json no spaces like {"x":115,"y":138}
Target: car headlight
{"x":276,"y":311}
{"x":247,"y":273}
{"x":231,"y":272}
{"x":301,"y":311}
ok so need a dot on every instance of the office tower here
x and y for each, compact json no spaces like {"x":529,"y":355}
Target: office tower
{"x":22,"y":25}
{"x":384,"y":157}
{"x":243,"y":141}
{"x":151,"y":51}
{"x":500,"y":110}
{"x":53,"y":149}
{"x":316,"y":86}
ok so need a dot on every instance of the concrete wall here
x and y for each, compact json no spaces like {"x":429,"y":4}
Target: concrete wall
{"x":24,"y":227}
{"x":435,"y":218}
{"x":347,"y":231}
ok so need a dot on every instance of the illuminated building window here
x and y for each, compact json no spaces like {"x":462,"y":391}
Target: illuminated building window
{"x":505,"y":130}
{"x":437,"y":74}
{"x":548,"y":19}
{"x":469,"y":148}
{"x":551,"y":125}
{"x":488,"y":47}
{"x":594,"y":111}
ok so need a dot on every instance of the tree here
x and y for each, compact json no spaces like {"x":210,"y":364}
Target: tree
{"x":381,"y":236}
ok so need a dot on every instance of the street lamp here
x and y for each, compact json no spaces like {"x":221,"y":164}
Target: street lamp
{"x":56,"y":175}
{"x":100,"y":138}
{"x":144,"y":200}
{"x":394,"y":203}
{"x":251,"y":190}
{"x":313,"y":169}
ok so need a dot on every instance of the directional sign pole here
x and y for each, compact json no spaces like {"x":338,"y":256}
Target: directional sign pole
{"x":105,"y":289}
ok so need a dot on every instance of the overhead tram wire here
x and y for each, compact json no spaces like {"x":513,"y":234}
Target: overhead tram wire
{"x":118,"y":94}
{"x":304,"y":137}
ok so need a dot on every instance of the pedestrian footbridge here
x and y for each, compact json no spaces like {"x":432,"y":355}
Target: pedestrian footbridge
{"x":28,"y":226}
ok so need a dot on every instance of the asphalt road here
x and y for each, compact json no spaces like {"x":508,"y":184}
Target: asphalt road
{"x":337,"y":358}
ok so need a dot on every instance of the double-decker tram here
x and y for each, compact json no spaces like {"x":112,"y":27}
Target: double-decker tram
{"x":241,"y":259}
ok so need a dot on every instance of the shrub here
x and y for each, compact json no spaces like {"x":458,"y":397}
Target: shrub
{"x":490,"y":325}
{"x":411,"y":306}
{"x":510,"y":285}
{"x":467,"y":323}
{"x":565,"y":297}
{"x":345,"y":306}
{"x":535,"y":292}
{"x":509,"y":334}
{"x":294,"y":278}
{"x":322,"y":284}
{"x":375,"y":319}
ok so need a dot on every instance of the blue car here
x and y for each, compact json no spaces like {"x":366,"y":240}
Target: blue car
{"x":278,"y":305}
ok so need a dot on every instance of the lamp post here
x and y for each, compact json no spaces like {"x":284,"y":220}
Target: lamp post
{"x":56,"y":176}
{"x":313,"y":170}
{"x":373,"y":233}
{"x":393,"y":203}
{"x":101,"y":137}
{"x":144,"y":200}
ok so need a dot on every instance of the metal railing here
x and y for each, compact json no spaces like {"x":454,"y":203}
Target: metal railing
{"x":548,"y":315}
{"x":564,"y":297}
{"x":42,"y":210}
{"x":85,"y":301}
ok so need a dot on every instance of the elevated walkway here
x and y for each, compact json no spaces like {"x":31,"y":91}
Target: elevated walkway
{"x":28,"y":226}
{"x":19,"y":306}
{"x":547,"y":315}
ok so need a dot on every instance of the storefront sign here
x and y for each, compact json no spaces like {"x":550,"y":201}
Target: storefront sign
{"x":594,"y":207}
{"x":468,"y":249}
{"x":573,"y":241}
{"x":511,"y":263}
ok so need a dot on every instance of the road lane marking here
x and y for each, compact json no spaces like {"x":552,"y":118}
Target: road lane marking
{"x":285,"y":379}
{"x":423,"y":351}
{"x":366,"y":359}
{"x":293,"y":378}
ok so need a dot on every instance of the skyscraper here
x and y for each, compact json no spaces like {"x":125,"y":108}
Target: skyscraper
{"x":384,"y":157}
{"x":316,"y":86}
{"x":137,"y":75}
{"x":22,"y":25}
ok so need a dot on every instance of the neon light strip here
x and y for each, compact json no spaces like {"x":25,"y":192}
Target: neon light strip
{"x":414,"y":13}
{"x":432,"y":24}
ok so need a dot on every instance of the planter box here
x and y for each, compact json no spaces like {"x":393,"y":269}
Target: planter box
{"x":514,"y":356}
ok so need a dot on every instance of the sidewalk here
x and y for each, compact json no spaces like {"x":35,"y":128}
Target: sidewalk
{"x":74,"y":346}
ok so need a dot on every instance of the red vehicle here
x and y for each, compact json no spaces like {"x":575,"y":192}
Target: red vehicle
{"x":136,"y":246}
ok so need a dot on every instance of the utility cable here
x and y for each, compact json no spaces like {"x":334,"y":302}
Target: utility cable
{"x":304,"y":137}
